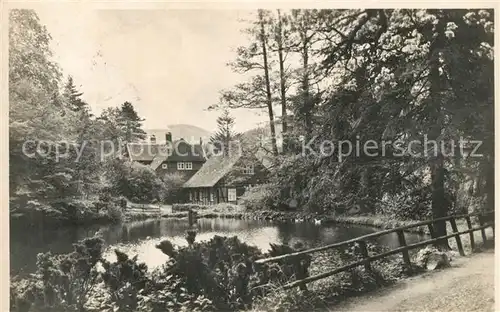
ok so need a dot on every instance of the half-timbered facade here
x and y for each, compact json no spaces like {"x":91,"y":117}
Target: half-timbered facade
{"x":223,"y":179}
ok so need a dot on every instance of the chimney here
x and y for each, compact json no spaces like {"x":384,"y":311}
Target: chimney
{"x":168,"y":137}
{"x":153,"y":139}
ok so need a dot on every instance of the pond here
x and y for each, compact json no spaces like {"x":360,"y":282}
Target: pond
{"x":141,"y":237}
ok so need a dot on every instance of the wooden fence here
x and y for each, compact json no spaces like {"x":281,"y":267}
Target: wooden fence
{"x":404,"y":247}
{"x":143,"y":208}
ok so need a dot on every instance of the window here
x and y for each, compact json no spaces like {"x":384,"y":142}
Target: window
{"x":248,"y":169}
{"x":211,"y":196}
{"x":184,"y":166}
{"x":164,"y":166}
{"x":231,"y":195}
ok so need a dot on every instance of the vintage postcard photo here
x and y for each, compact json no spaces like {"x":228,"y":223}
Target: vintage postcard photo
{"x":244,"y":158}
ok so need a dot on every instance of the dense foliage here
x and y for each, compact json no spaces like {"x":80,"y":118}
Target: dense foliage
{"x":61,"y":155}
{"x":385,"y":76}
{"x":214,"y":275}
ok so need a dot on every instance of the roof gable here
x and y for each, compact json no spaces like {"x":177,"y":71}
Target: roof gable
{"x":218,"y":167}
{"x":214,"y":169}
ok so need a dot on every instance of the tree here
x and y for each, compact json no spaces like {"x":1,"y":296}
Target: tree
{"x":35,"y":109}
{"x":254,"y":58}
{"x":269,"y":101}
{"x":54,"y":157}
{"x":136,"y":182}
{"x":120,"y":125}
{"x":225,"y":136}
{"x":281,"y":43}
{"x":73,"y":96}
{"x":131,"y":123}
{"x":396,"y":75}
{"x":303,"y":28}
{"x":29,"y":43}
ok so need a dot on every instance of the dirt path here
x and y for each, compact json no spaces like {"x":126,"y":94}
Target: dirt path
{"x":469,"y":285}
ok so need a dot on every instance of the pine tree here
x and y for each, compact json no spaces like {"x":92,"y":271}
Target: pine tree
{"x":73,"y":96}
{"x":255,"y":58}
{"x":225,"y":135}
{"x":131,"y":123}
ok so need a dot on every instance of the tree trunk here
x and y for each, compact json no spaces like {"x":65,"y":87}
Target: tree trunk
{"x":284,"y":121}
{"x":436,"y":161}
{"x":268,"y":84}
{"x":305,"y":87}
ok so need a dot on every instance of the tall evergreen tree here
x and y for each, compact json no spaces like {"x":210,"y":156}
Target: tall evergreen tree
{"x":131,"y":123}
{"x":73,"y":96}
{"x":256,"y":59}
{"x":225,"y":135}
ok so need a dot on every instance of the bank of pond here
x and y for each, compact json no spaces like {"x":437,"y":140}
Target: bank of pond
{"x":169,"y":264}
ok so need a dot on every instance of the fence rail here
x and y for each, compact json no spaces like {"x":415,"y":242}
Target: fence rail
{"x":143,"y":208}
{"x":404,"y":247}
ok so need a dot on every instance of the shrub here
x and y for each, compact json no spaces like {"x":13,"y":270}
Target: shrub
{"x":260,"y":197}
{"x":219,"y":274}
{"x":137,"y":182}
{"x":61,"y":283}
{"x":414,"y":206}
{"x":114,"y":212}
{"x":124,"y":279}
{"x":173,"y":184}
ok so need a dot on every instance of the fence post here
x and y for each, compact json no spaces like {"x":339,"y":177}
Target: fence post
{"x":481,"y":223}
{"x":190,"y":217}
{"x":471,"y":234}
{"x":406,"y":254}
{"x":431,"y":229}
{"x":457,"y":237}
{"x":492,"y":222}
{"x":364,"y":253}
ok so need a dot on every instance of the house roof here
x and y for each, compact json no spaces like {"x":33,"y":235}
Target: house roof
{"x":214,"y":169}
{"x":179,"y":150}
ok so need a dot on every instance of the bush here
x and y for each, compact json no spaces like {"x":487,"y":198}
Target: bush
{"x":136,"y":182}
{"x":61,"y":283}
{"x":113,"y":212}
{"x":406,"y":207}
{"x":174,"y":191}
{"x":219,"y":274}
{"x":260,"y":197}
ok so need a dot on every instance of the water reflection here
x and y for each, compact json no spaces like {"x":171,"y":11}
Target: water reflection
{"x":141,"y":237}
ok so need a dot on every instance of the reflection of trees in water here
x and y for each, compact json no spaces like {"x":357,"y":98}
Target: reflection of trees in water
{"x":285,"y":232}
{"x":290,"y":233}
{"x":230,"y":225}
{"x":26,"y":243}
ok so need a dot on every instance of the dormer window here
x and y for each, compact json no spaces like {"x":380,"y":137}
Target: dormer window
{"x":248,"y":169}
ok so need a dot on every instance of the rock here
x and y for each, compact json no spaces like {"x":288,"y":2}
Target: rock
{"x":437,"y":261}
{"x":432,"y":259}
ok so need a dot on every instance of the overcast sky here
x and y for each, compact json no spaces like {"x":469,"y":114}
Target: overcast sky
{"x":170,"y":64}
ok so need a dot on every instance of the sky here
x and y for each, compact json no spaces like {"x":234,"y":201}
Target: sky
{"x":171,"y":64}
